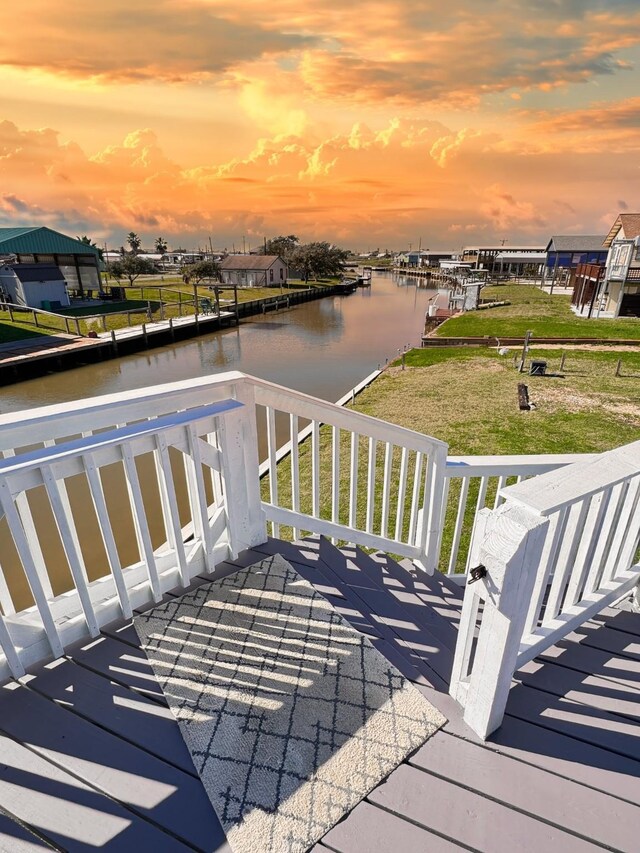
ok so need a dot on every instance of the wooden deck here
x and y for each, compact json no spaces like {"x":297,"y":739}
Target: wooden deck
{"x":91,"y":757}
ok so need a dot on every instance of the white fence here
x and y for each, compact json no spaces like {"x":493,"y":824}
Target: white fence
{"x":107,"y":503}
{"x":556,"y":551}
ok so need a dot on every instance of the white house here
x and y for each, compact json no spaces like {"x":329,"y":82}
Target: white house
{"x":253,"y":270}
{"x":34,"y":285}
{"x":620,"y":287}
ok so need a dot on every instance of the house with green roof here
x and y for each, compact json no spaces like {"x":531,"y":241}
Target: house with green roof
{"x":78,"y":262}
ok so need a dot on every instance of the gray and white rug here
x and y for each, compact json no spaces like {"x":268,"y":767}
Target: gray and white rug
{"x":290,"y":715}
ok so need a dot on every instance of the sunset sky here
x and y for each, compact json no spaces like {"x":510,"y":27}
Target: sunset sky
{"x":376,"y":125}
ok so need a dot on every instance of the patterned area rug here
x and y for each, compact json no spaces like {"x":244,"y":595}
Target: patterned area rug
{"x":290,"y":715}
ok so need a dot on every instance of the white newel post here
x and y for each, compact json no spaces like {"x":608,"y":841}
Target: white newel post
{"x":509,"y":542}
{"x":238,"y":443}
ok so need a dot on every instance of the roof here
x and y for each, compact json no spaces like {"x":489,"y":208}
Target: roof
{"x":36,"y":272}
{"x":527,"y":257}
{"x":628,"y":223}
{"x":576,"y":243}
{"x":249,"y":262}
{"x":42,"y":240}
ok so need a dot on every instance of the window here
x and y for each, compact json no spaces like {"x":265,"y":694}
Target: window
{"x":282,"y":272}
{"x":271,"y":274}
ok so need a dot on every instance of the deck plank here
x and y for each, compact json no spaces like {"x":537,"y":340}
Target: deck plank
{"x":466,"y":817}
{"x":145,"y":785}
{"x":564,"y":803}
{"x":368,"y":829}
{"x":117,"y":709}
{"x":592,"y":661}
{"x":15,"y":838}
{"x":72,"y":815}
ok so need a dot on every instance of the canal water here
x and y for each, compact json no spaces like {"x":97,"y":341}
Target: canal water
{"x":323,"y":348}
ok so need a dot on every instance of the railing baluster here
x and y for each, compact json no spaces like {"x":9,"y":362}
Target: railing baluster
{"x":371,"y":484}
{"x":547,"y":564}
{"x":603,"y":545}
{"x":415,"y":498}
{"x":353,"y":492}
{"x":457,"y":533}
{"x":65,"y":522}
{"x":295,"y":469}
{"x":272,"y":445}
{"x":402,"y":493}
{"x":141,"y":527}
{"x":502,"y":482}
{"x":335,"y":475}
{"x":564,"y":565}
{"x":170,"y":510}
{"x":480,"y":503}
{"x":582,"y":563}
{"x":33,"y":579}
{"x":386,"y":488}
{"x":632,"y":529}
{"x":106,"y":531}
{"x":315,"y":470}
{"x":198,"y":495}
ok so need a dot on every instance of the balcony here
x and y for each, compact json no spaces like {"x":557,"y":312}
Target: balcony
{"x":506,"y":602}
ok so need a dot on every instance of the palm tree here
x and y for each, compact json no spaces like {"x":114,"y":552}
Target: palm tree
{"x":161,"y":245}
{"x":134,"y":242}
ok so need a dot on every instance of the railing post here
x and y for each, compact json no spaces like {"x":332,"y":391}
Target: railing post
{"x":238,"y":443}
{"x":508,"y":544}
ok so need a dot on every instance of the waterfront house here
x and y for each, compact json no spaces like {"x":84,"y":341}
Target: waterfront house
{"x":79,"y":263}
{"x":564,"y":253}
{"x":253,"y":270}
{"x":485,"y":257}
{"x":507,"y":607}
{"x":621,"y":281}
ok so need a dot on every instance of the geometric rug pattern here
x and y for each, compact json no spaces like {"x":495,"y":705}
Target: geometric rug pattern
{"x":290,"y":715}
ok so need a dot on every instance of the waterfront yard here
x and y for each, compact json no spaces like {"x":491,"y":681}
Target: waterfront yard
{"x":468,"y":398}
{"x":532,"y":308}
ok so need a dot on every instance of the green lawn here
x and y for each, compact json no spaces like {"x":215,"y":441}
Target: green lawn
{"x":468,"y":398}
{"x":532,"y":308}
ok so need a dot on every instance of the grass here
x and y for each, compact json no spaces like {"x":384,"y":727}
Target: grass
{"x":532,"y":308}
{"x":150,"y":294}
{"x":468,"y":398}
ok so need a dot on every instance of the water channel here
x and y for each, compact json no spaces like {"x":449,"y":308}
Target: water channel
{"x":323,"y":348}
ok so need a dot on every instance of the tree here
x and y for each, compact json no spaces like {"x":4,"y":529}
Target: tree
{"x":282,"y":246}
{"x":134,"y":242}
{"x":199,"y":272}
{"x":131,"y":267}
{"x":316,"y":260}
{"x":87,"y":241}
{"x":161,"y":245}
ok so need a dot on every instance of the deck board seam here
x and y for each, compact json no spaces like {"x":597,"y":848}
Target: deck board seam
{"x":515,"y":808}
{"x":511,"y":807}
{"x":422,"y":826}
{"x":98,"y":725}
{"x":495,"y":748}
{"x":35,"y":831}
{"x":91,"y":785}
{"x":137,"y":690}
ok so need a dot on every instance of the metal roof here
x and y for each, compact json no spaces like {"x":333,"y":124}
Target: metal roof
{"x":576,"y":243}
{"x":42,"y":240}
{"x":248,"y":262}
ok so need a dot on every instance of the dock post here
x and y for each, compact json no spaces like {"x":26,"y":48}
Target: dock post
{"x":173,"y":334}
{"x":35,"y":318}
{"x":144,"y":334}
{"x":114,"y":342}
{"x":104,"y":322}
{"x":78,"y":328}
{"x":618,"y":366}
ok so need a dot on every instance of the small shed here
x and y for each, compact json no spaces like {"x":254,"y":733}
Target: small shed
{"x":253,"y":270}
{"x":34,"y":285}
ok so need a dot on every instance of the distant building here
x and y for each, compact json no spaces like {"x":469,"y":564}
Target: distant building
{"x":566,"y":252}
{"x":620,"y":287}
{"x":253,"y":270}
{"x":34,"y":286}
{"x":485,"y":257}
{"x":79,"y":263}
{"x":514,"y":262}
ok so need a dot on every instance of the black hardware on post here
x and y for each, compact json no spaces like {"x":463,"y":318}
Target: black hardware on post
{"x":477,"y":572}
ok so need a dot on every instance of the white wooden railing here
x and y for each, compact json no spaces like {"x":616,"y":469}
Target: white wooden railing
{"x":557,"y":550}
{"x":107,"y":503}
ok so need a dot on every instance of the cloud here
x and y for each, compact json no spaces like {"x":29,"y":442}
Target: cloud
{"x":507,"y":213}
{"x":407,"y":52}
